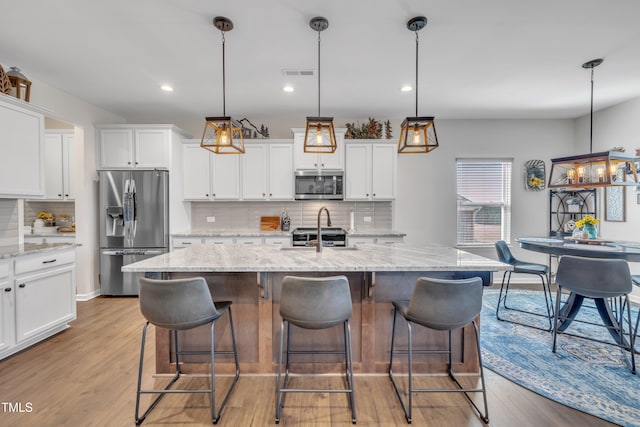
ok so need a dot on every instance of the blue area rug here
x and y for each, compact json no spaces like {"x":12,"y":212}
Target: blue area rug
{"x":590,"y":377}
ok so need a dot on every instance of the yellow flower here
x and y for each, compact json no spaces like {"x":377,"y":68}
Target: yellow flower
{"x":587,"y":219}
{"x":535,"y":182}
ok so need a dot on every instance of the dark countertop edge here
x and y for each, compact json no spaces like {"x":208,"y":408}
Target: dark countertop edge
{"x":14,"y":251}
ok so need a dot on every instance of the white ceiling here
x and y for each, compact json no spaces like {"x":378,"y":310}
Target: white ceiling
{"x":478,"y":59}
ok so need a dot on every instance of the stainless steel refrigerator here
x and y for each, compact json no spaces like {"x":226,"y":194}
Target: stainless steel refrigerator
{"x":134,"y":224}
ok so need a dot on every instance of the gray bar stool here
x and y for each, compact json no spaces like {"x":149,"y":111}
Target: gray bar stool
{"x":540,"y":270}
{"x":443,"y":305}
{"x":315,"y":303}
{"x":636,"y":281}
{"x":602,"y":280}
{"x":178,"y":305}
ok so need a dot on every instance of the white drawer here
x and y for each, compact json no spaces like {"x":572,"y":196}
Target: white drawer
{"x":4,"y":269}
{"x":277,"y":241}
{"x":389,"y":240}
{"x":218,"y":241}
{"x":249,"y":240}
{"x":351,"y":241}
{"x":183,"y":242}
{"x":30,"y":263}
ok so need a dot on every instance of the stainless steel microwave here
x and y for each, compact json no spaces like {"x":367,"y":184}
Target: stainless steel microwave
{"x":313,"y":184}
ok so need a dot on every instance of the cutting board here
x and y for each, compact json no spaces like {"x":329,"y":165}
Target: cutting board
{"x":269,"y":223}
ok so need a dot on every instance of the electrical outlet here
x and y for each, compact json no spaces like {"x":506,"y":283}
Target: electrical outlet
{"x":367,"y":219}
{"x":211,"y":219}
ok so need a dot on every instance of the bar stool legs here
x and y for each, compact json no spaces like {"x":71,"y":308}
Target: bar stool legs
{"x":282,"y":386}
{"x":215,"y":414}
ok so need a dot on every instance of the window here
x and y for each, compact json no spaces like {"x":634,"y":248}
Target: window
{"x":484,"y":201}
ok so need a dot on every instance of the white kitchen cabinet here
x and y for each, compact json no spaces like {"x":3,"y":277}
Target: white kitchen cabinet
{"x":59,"y":165}
{"x":370,"y":171}
{"x":304,"y":160}
{"x":7,"y":307}
{"x":278,"y":241}
{"x":354,"y":240}
{"x":219,"y":240}
{"x":248,"y":240}
{"x":267,"y":171}
{"x":185,"y":242}
{"x":389,"y":240}
{"x":42,"y":297}
{"x":22,"y":146}
{"x":136,"y":146}
{"x":208,"y":176}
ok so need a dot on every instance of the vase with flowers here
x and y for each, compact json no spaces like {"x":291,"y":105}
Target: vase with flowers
{"x":587,"y":224}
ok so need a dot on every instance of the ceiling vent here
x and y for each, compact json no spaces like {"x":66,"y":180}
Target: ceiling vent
{"x":292,"y":72}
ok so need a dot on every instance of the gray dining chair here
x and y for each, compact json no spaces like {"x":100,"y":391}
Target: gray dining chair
{"x":179,"y":305}
{"x":540,"y":270}
{"x":604,"y":281}
{"x":313,"y":303}
{"x":444,"y":305}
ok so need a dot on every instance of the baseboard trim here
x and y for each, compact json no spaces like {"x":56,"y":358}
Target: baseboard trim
{"x":87,"y":297}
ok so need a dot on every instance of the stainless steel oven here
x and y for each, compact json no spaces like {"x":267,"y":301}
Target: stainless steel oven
{"x":308,"y":236}
{"x":319,"y":185}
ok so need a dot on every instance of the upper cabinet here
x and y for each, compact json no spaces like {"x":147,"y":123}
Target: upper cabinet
{"x":208,"y":176}
{"x":304,"y":160}
{"x":267,"y":171}
{"x":59,"y":166}
{"x":370,"y":170}
{"x":136,"y":146}
{"x":22,"y":142}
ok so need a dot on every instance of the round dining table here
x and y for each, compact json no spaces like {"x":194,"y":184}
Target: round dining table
{"x":597,"y":248}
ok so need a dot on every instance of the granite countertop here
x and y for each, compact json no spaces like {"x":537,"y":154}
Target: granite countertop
{"x":50,"y":235}
{"x":263,"y":258}
{"x":13,"y":251}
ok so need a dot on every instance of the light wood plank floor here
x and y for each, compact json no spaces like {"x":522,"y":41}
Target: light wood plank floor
{"x":86,"y":376}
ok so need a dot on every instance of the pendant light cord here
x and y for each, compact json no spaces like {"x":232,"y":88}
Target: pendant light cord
{"x":591,"y":124}
{"x":416,"y":73}
{"x":318,"y":73}
{"x":224,"y":103}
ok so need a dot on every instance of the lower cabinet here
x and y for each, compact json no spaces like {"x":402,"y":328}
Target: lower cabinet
{"x":388,"y":240}
{"x":7,"y":308}
{"x":38,"y":299}
{"x":184,"y":242}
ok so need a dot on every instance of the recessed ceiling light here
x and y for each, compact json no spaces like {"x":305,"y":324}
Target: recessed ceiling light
{"x":288,"y":88}
{"x":166,"y":88}
{"x":406,"y":88}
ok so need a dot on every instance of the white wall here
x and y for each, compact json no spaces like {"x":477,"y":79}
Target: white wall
{"x":70,"y":109}
{"x":615,"y":127}
{"x":426,"y":200}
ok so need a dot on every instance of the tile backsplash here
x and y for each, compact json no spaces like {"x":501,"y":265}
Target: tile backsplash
{"x":31,"y":209}
{"x":246,"y":215}
{"x":8,"y":222}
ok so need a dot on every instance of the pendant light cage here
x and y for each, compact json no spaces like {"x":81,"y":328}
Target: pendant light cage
{"x":417,"y":134}
{"x":319,"y":136}
{"x":603,"y":169}
{"x":222,"y":134}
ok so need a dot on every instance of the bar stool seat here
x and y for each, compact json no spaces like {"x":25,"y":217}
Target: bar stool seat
{"x":179,"y":305}
{"x":444,"y":305}
{"x":314,"y":303}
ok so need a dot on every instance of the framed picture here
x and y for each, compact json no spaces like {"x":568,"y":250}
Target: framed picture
{"x":614,"y":207}
{"x":534,"y":175}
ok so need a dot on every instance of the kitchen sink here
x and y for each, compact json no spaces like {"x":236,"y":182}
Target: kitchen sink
{"x":313,"y":248}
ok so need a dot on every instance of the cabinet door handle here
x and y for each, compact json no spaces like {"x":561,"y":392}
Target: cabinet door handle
{"x":207,"y":195}
{"x":137,"y":163}
{"x":374,"y":194}
{"x":128,"y":163}
{"x":214,"y":194}
{"x":22,"y":285}
{"x":263,"y":194}
{"x":323,"y":165}
{"x":270,"y":194}
{"x":7,"y":289}
{"x":49,"y":261}
{"x":315,"y":165}
{"x":59,"y":195}
{"x":66,"y":195}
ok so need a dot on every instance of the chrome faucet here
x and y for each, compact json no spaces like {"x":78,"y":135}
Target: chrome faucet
{"x":319,"y":246}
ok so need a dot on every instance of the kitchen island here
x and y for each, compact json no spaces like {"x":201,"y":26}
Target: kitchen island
{"x":251,"y":278}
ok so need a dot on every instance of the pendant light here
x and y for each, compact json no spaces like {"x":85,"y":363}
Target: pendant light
{"x":222,"y":135}
{"x":603,"y":169}
{"x":319,"y":136}
{"x":418,"y":134}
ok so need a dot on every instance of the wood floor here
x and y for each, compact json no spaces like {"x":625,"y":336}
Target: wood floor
{"x":86,"y":376}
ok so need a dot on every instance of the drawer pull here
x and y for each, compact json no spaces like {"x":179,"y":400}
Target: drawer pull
{"x":186,"y":243}
{"x":22,"y":285}
{"x":49,"y":261}
{"x":7,"y":289}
